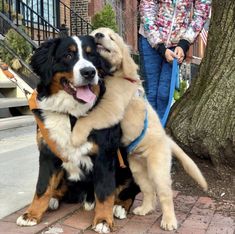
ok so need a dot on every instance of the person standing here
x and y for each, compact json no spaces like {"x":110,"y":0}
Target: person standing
{"x":167,"y":28}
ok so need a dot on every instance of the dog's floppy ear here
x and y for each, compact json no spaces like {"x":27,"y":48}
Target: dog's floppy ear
{"x":105,"y":68}
{"x":130,"y":68}
{"x":43,"y":59}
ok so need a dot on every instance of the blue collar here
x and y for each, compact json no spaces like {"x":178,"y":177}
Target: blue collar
{"x":137,"y":140}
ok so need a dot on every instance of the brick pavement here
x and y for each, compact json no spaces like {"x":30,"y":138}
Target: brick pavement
{"x":195,"y":215}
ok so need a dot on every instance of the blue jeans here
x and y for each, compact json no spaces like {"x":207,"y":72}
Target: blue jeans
{"x":156,"y":72}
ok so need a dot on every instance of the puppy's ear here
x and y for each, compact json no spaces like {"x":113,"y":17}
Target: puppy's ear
{"x":42,"y":60}
{"x":130,"y":68}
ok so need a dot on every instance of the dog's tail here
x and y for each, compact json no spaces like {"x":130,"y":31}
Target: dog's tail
{"x":188,"y":164}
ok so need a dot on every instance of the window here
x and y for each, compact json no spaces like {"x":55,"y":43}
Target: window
{"x":47,"y":9}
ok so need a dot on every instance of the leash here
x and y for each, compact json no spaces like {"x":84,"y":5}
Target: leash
{"x":175,"y":83}
{"x":52,"y":145}
{"x":12,"y":78}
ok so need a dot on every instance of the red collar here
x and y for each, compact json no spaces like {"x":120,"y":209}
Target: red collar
{"x":130,"y":79}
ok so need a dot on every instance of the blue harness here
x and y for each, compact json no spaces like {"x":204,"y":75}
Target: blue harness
{"x":137,"y":140}
{"x":175,"y":84}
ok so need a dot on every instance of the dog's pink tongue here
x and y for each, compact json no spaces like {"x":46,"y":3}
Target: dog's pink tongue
{"x":84,"y":93}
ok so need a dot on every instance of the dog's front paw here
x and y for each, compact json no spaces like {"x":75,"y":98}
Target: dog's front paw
{"x":79,"y":136}
{"x":169,"y":223}
{"x":26,"y":220}
{"x":101,"y":228}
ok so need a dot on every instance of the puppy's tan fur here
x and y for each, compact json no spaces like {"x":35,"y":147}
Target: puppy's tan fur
{"x":150,"y":162}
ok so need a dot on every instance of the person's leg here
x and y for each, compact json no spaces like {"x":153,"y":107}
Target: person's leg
{"x":151,"y":63}
{"x":164,"y":88}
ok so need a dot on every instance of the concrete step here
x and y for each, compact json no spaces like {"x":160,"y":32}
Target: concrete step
{"x":16,"y":122}
{"x":13,"y":102}
{"x":6,"y":84}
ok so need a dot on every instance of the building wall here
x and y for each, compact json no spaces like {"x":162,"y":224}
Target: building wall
{"x":126,"y":15}
{"x":94,"y":6}
{"x":130,"y":17}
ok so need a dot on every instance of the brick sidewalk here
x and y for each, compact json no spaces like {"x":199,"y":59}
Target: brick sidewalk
{"x":195,"y":216}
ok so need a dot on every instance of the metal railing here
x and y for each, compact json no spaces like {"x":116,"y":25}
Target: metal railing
{"x":35,"y":26}
{"x":75,"y":24}
{"x":44,"y":19}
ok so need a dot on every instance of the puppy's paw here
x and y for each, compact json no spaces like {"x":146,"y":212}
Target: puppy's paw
{"x":53,"y":204}
{"x":101,"y":228}
{"x":25,"y":220}
{"x":141,"y":210}
{"x":119,"y":212}
{"x":79,"y":135}
{"x":88,"y":206}
{"x":169,"y":223}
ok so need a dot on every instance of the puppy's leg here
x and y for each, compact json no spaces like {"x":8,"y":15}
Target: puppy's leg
{"x":139,"y":169}
{"x":109,"y":111}
{"x":159,"y":165}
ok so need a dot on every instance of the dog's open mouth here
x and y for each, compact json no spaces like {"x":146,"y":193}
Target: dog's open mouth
{"x":100,"y":47}
{"x":82,"y":94}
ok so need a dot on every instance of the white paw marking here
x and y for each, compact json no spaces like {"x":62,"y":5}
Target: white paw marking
{"x":102,"y":228}
{"x":88,"y":206}
{"x":22,"y":222}
{"x":53,"y":203}
{"x":119,"y":212}
{"x":169,"y":224}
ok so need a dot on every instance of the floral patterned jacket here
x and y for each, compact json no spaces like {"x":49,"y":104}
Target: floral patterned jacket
{"x":168,"y":21}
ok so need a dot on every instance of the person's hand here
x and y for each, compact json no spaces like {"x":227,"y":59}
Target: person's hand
{"x":180,"y":54}
{"x":170,"y":55}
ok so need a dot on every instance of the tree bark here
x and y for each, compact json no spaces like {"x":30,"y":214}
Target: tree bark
{"x":203,"y":120}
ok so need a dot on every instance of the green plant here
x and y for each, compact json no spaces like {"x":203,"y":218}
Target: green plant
{"x":18,"y":44}
{"x":105,"y":18}
{"x":5,"y":8}
{"x":179,"y":93}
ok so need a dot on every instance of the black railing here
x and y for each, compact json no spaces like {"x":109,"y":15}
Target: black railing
{"x":75,"y":24}
{"x":26,"y":74}
{"x":9,"y":32}
{"x":44,"y":19}
{"x":35,"y":26}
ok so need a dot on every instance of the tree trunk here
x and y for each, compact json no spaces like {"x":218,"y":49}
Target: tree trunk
{"x":203,"y":120}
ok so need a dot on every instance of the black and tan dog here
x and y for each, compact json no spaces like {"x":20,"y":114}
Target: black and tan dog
{"x":69,"y":87}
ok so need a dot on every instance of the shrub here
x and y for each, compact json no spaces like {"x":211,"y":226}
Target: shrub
{"x":105,"y":18}
{"x":18,"y":44}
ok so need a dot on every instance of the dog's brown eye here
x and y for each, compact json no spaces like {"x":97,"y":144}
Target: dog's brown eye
{"x":111,"y":38}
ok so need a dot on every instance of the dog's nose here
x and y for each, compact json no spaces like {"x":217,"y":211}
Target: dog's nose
{"x":88,"y":73}
{"x":99,"y":35}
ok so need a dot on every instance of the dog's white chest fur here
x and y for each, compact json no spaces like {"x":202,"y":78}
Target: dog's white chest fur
{"x":58,"y":125}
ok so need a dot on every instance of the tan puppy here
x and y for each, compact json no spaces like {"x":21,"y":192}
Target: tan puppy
{"x":150,"y":160}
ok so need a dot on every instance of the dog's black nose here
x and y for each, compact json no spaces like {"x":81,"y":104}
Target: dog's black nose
{"x":99,"y":35}
{"x":88,"y":73}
